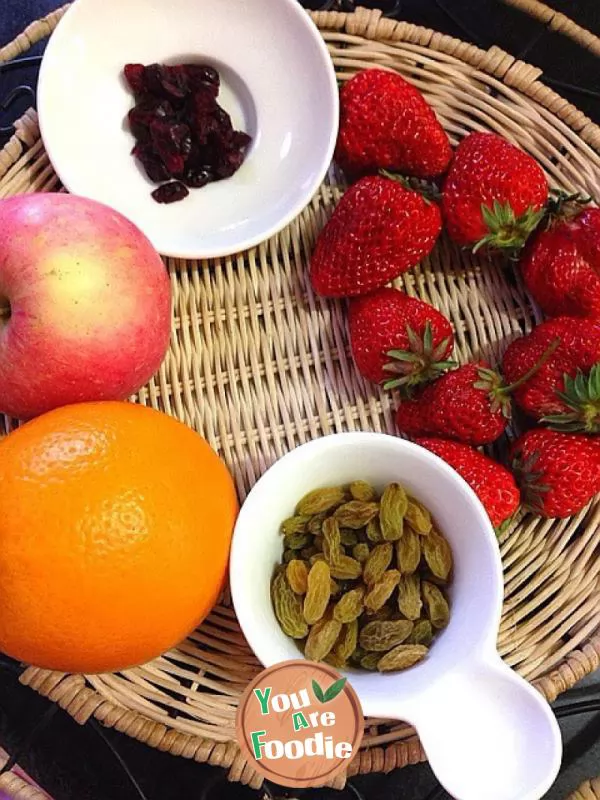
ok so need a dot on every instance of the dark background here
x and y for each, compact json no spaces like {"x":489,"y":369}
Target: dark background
{"x":86,"y":763}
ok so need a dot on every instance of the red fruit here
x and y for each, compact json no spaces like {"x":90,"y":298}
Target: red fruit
{"x":386,"y":123}
{"x":565,"y":391}
{"x":561,"y":266}
{"x":379,"y":230}
{"x":398,"y":340}
{"x":559,"y":473}
{"x":494,"y":193}
{"x":469,"y":404}
{"x":491,"y":482}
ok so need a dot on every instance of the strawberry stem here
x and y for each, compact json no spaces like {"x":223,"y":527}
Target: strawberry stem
{"x":564,"y":206}
{"x":506,"y":231}
{"x":421,"y":362}
{"x":534,"y":369}
{"x":429,"y":191}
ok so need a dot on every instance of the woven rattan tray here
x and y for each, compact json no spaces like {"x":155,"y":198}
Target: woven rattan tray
{"x":258,"y":364}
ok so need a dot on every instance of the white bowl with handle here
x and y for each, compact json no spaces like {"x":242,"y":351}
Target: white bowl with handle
{"x":486,"y":731}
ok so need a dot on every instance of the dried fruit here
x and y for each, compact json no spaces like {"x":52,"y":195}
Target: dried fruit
{"x":320,"y":500}
{"x":369,"y":661}
{"x":331,"y":541}
{"x":374,"y":531}
{"x":361,"y":490}
{"x":296,"y":541}
{"x":297,"y":576}
{"x":361,"y":552}
{"x":438,"y":555}
{"x":408,"y":552}
{"x":382,"y":614}
{"x":288,"y":608}
{"x":170,"y":192}
{"x":317,"y":593}
{"x":353,"y":609}
{"x":409,"y":596}
{"x":393,"y":506}
{"x":381,"y":636}
{"x":297,"y":524}
{"x":316,"y":523}
{"x":322,"y":637}
{"x":347,"y":640}
{"x":348,"y":538}
{"x":180,"y":130}
{"x":377,"y":563}
{"x":402,"y":657}
{"x":350,"y":605}
{"x":382,"y":590}
{"x":422,"y":633}
{"x":346,"y":568}
{"x":436,"y":604}
{"x":418,"y":517}
{"x":356,"y":514}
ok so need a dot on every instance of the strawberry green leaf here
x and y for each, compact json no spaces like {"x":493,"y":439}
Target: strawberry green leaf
{"x":581,"y":398}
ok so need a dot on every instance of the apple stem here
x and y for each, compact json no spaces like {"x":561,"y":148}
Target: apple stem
{"x":5,"y":310}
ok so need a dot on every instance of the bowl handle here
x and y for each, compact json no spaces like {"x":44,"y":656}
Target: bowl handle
{"x":488,"y":733}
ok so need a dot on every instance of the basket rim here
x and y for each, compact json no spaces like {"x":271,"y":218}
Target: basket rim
{"x":558,"y":22}
{"x":73,"y":692}
{"x":519,"y":75}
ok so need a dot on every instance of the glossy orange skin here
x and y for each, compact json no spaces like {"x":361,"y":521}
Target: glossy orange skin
{"x":115,"y":527}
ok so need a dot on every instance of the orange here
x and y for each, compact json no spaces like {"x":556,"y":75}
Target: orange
{"x":115,"y":527}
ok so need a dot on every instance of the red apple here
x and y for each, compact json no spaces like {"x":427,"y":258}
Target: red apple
{"x":85,"y":304}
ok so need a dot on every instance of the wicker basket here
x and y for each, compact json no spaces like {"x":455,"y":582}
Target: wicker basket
{"x":590,"y":790}
{"x":258,"y":364}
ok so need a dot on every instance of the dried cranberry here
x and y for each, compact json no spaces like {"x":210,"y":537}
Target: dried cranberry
{"x":176,"y":82}
{"x":180,"y":129}
{"x":161,"y":109}
{"x":241,"y":140}
{"x":153,"y":79}
{"x":165,"y":143}
{"x":182,"y":139}
{"x":170,"y":192}
{"x":134,"y":75}
{"x":229,"y":163}
{"x":198,"y":178}
{"x":201,"y":76}
{"x":153,"y":166}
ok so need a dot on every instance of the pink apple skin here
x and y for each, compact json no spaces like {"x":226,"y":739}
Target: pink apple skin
{"x":90,"y":304}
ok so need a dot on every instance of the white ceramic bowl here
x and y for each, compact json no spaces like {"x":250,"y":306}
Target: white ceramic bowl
{"x":486,"y":731}
{"x":278,"y":84}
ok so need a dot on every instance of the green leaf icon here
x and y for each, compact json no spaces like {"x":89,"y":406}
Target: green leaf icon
{"x":318,"y":692}
{"x":334,"y":690}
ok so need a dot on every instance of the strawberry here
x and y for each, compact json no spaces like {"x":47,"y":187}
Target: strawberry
{"x":398,"y":340}
{"x":491,"y":482}
{"x":561,"y":266}
{"x":559,"y":473}
{"x":494,"y":193}
{"x":379,"y":230}
{"x":385,"y":123}
{"x":469,"y":404}
{"x":565,"y":391}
